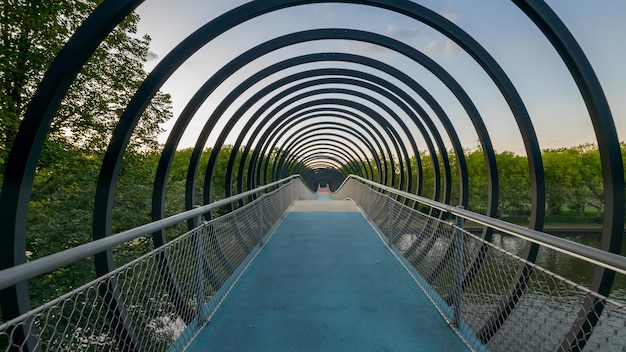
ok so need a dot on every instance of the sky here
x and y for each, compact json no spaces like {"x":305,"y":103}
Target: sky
{"x":551,"y":97}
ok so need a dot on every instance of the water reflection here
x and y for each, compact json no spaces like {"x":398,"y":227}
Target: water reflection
{"x":574,"y":269}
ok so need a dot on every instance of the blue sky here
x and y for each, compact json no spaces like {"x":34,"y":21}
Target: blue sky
{"x":557,"y":111}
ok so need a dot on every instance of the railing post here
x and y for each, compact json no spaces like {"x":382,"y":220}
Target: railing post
{"x":199,"y":263}
{"x":365,"y":201}
{"x":390,"y":220}
{"x":261,"y":220}
{"x":458,"y":269}
{"x":368,"y":201}
{"x":282,"y":204}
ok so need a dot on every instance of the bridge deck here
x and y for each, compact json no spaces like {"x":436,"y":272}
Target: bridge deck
{"x":326,"y":282}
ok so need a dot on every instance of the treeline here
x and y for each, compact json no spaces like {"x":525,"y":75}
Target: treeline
{"x":573,"y":180}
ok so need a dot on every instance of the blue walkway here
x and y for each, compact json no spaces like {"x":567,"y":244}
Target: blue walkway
{"x":326,"y":282}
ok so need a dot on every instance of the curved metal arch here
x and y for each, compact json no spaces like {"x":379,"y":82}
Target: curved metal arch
{"x":292,"y":123}
{"x":231,"y":122}
{"x":223,"y":105}
{"x":300,"y":134}
{"x":460,"y":153}
{"x":316,"y":176}
{"x":404,"y":107}
{"x":463,"y":98}
{"x":311,"y":161}
{"x":380,"y":105}
{"x":338,"y":127}
{"x":290,"y":153}
{"x":345,"y":165}
{"x":341,"y":113}
{"x":331,"y":112}
{"x":351,"y":163}
{"x":354,"y":105}
{"x":610,"y":153}
{"x":322,"y":164}
{"x":350,"y":166}
{"x":322,"y":173}
{"x":378,"y":119}
{"x":314,"y":164}
{"x":483,"y":136}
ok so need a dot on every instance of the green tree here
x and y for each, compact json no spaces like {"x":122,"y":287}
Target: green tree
{"x":591,"y":188}
{"x":562,"y":177}
{"x":60,"y":212}
{"x":514,"y":182}
{"x":477,"y":180}
{"x":31,"y":33}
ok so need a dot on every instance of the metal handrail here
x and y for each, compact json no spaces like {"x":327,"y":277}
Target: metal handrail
{"x":29,"y":270}
{"x":592,"y":255}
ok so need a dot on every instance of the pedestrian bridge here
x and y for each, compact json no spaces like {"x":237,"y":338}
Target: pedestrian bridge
{"x":323,"y":239}
{"x":357,"y":269}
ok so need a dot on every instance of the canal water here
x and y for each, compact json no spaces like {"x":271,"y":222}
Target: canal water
{"x":571,"y":268}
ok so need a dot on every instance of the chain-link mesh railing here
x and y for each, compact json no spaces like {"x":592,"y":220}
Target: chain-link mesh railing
{"x":166,"y":295}
{"x":496,"y":300}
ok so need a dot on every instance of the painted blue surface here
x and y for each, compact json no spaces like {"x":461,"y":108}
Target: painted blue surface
{"x":326,"y":282}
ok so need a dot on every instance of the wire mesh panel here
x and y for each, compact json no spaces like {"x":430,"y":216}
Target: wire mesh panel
{"x":162,"y":293}
{"x":496,"y":300}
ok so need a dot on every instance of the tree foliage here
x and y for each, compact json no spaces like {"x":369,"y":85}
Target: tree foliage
{"x":573,"y":180}
{"x":31,"y":34}
{"x":61,"y":209}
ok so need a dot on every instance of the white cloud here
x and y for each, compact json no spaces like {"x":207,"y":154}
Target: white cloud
{"x":367,"y":49}
{"x":441,"y":46}
{"x":451,"y":16}
{"x":434,"y":46}
{"x":402,"y":32}
{"x":451,"y":48}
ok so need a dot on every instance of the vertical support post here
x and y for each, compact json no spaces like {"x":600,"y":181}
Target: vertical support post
{"x":365,"y":201}
{"x":282,"y":204}
{"x":390,"y":220}
{"x":199,"y":263}
{"x":458,"y":269}
{"x":261,"y":221}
